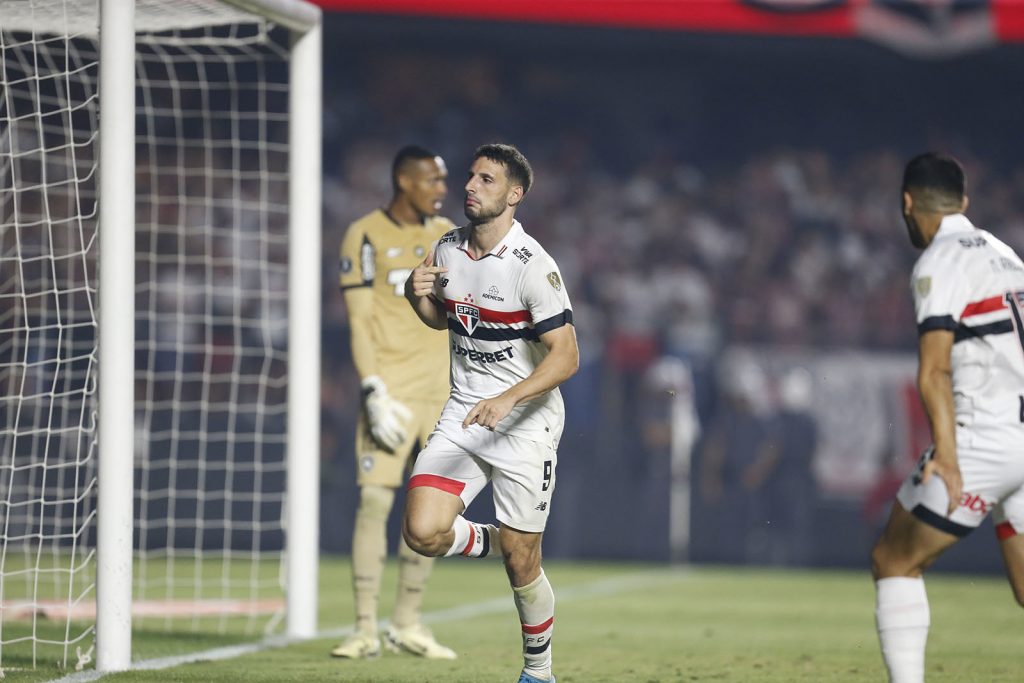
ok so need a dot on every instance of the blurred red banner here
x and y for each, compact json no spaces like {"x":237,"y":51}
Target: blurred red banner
{"x":935,"y":27}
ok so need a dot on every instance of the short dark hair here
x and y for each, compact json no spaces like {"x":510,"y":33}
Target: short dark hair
{"x":937,"y":180}
{"x":404,"y":156}
{"x":515,"y":163}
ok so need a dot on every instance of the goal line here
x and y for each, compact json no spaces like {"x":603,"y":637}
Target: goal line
{"x":60,"y":610}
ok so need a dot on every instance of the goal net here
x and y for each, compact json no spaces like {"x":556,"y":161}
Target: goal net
{"x":211,"y":322}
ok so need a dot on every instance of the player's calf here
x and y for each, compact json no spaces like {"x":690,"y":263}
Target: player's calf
{"x":522,"y":554}
{"x":1011,"y":543}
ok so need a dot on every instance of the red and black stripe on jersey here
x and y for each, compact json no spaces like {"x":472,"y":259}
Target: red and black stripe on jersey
{"x":505,"y":325}
{"x":962,"y":331}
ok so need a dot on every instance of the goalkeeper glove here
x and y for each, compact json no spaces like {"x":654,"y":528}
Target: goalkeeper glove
{"x":384,"y":414}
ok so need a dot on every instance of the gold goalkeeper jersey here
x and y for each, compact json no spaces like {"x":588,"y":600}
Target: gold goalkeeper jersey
{"x":377,"y":255}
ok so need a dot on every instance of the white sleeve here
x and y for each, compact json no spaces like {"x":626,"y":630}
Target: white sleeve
{"x":940,"y":291}
{"x":544,"y":295}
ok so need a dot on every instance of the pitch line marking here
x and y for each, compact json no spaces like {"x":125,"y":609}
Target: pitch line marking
{"x":599,"y":588}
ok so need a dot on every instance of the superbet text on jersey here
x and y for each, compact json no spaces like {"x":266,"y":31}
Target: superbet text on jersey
{"x":498,"y":306}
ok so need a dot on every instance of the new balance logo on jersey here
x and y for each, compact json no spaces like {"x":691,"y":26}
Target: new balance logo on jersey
{"x":468,"y":315}
{"x":542,"y":506}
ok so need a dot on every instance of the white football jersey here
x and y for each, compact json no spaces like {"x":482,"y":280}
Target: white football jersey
{"x":969,"y":282}
{"x":498,"y":306}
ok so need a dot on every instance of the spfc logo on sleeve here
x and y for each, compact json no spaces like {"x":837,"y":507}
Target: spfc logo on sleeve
{"x":468,"y":315}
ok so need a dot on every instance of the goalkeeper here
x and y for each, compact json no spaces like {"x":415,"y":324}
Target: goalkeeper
{"x":402,"y":395}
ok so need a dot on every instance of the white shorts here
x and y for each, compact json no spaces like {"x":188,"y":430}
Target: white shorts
{"x":462,"y":461}
{"x":992,"y":468}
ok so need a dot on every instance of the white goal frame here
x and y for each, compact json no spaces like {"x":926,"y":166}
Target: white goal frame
{"x":117,"y":315}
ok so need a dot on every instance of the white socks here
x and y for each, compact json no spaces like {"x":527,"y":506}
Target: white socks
{"x":474,"y":540}
{"x":536,"y":604}
{"x":902,"y":617}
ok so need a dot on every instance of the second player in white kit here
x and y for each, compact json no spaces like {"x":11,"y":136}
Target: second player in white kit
{"x":970,"y":283}
{"x":502,"y":299}
{"x":968,"y":288}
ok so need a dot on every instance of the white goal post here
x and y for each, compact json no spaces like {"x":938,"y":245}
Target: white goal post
{"x":160,"y":292}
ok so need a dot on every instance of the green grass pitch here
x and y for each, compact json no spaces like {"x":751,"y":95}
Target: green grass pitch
{"x":635,"y":623}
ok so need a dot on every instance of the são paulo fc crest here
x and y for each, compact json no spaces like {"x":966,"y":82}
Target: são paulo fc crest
{"x":468,"y":315}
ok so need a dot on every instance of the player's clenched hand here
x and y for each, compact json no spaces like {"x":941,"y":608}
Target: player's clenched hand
{"x":946,"y":467}
{"x":422,"y":278}
{"x":489,"y":412}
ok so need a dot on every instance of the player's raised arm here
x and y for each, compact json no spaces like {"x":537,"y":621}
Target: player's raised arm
{"x":560,"y":364}
{"x":935,"y":382}
{"x":419,"y":290}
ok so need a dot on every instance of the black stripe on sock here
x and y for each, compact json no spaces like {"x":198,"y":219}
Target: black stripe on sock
{"x":939,"y":522}
{"x":539,"y":648}
{"x":487,"y":541}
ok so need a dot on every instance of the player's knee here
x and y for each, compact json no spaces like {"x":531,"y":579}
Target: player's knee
{"x":883,"y":562}
{"x":888,"y":560}
{"x":423,"y":536}
{"x":877,"y":560}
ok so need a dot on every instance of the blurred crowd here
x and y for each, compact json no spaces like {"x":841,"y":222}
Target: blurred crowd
{"x":667,"y":254}
{"x":705,"y":213}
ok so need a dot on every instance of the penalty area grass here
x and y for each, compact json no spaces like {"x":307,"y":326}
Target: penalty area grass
{"x":638,"y":623}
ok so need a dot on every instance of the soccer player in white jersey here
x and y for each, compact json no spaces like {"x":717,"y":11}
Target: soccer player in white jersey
{"x":502,"y":300}
{"x":968,"y":292}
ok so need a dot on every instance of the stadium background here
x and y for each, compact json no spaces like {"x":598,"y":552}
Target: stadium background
{"x":718,"y":195}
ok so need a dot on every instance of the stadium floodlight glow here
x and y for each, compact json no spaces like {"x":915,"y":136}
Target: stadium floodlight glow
{"x":159,"y":302}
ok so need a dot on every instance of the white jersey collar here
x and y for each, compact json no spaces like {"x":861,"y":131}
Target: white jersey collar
{"x":501,"y":247}
{"x":954,"y":222}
